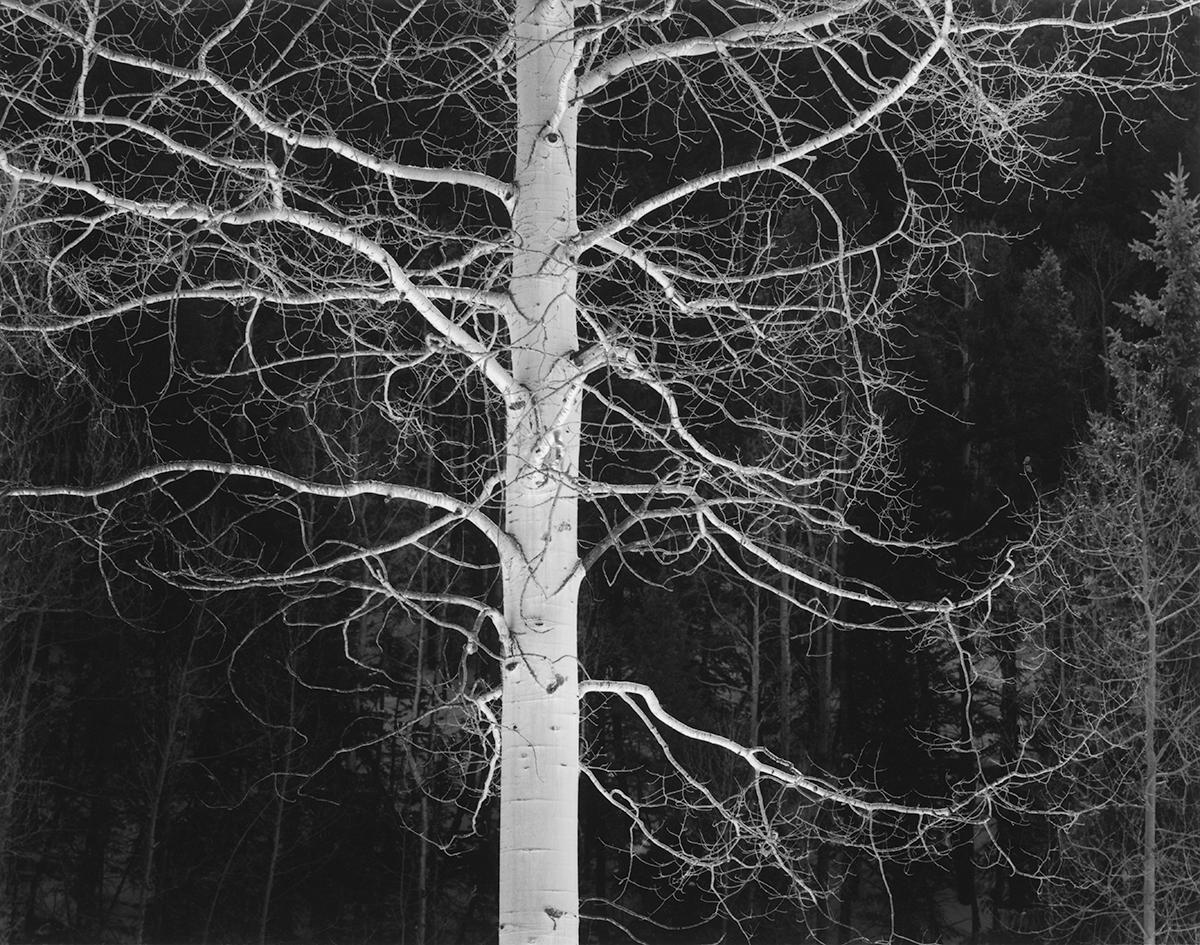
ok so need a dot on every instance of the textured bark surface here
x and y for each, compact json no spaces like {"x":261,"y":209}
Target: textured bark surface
{"x":540,"y":752}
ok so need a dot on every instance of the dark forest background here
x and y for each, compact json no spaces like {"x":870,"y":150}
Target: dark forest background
{"x":183,"y":765}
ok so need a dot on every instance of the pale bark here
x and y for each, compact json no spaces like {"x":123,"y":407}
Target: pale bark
{"x":756,"y":622}
{"x":1149,"y":848}
{"x":309,"y":243}
{"x":539,"y":780}
{"x":1149,"y":748}
{"x":423,"y":840}
{"x":785,"y":662}
{"x":423,"y":629}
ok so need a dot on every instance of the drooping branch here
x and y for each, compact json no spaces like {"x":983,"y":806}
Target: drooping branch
{"x":760,"y":761}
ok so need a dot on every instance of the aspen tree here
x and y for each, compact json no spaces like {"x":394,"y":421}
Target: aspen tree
{"x":597,"y":235}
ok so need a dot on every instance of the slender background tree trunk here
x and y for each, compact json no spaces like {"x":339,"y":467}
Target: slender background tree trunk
{"x":1149,"y":914}
{"x":15,"y":775}
{"x":166,"y":761}
{"x":277,"y":828}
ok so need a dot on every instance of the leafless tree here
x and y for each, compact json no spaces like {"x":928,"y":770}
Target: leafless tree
{"x":1119,"y":598}
{"x":1117,"y":701}
{"x":564,"y":250}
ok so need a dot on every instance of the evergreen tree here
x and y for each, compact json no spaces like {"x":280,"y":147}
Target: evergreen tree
{"x":1173,"y":315}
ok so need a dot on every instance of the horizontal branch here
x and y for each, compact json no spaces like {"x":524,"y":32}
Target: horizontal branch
{"x":236,"y":291}
{"x":466,"y":511}
{"x":1086,"y":26}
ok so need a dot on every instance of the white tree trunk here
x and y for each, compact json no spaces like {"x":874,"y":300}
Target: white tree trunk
{"x":539,"y":781}
{"x":1150,"y":759}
